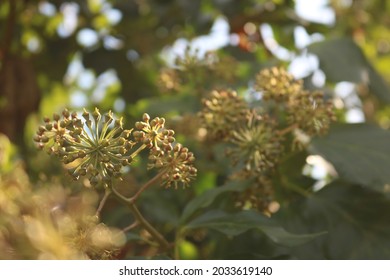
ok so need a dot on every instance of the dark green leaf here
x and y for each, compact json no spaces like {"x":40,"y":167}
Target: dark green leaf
{"x":238,"y":223}
{"x":354,"y":217}
{"x":290,"y":178}
{"x":359,"y":152}
{"x":343,"y":60}
{"x":206,"y":198}
{"x":161,"y":106}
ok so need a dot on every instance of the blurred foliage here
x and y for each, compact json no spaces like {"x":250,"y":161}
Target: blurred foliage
{"x":276,"y":179}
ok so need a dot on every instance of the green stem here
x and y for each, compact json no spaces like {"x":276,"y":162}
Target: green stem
{"x":130,"y":227}
{"x":148,"y":227}
{"x":147,"y":185}
{"x":134,"y":154}
{"x":102,"y":202}
{"x":141,"y":220}
{"x":178,"y":239}
{"x":288,"y":129}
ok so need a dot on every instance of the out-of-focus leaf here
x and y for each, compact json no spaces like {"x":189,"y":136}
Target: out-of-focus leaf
{"x":7,"y":152}
{"x":203,"y":181}
{"x":163,"y":105}
{"x":206,"y":198}
{"x":290,"y":177}
{"x":238,"y":223}
{"x":354,"y":217}
{"x":343,"y":60}
{"x":359,"y":152}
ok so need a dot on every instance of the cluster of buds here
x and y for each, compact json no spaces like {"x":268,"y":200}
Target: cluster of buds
{"x":175,"y":163}
{"x":169,"y":80}
{"x":257,"y":140}
{"x":257,"y":145}
{"x":152,"y":133}
{"x":221,"y":112}
{"x":98,"y":147}
{"x":277,"y":84}
{"x":197,"y":70}
{"x":258,"y":196}
{"x":311,"y":113}
{"x":90,"y":147}
{"x":307,"y":111}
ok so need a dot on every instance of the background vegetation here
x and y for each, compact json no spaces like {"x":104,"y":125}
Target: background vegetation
{"x":326,"y":198}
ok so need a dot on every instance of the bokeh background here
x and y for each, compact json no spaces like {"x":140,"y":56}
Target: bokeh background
{"x":125,"y":56}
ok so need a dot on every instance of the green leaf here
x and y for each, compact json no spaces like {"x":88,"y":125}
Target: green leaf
{"x":359,"y":152}
{"x":160,"y":106}
{"x":355,"y":218}
{"x":290,"y":178}
{"x":233,"y":224}
{"x":206,"y":198}
{"x":342,"y":60}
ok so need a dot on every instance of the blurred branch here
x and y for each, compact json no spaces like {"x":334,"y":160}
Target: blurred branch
{"x":102,"y":202}
{"x":141,"y":220}
{"x":9,"y":28}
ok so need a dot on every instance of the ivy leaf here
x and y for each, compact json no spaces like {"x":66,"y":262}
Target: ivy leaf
{"x":359,"y":152}
{"x":207,"y":198}
{"x":233,"y":224}
{"x":354,"y":217}
{"x":161,"y":105}
{"x":342,"y":60}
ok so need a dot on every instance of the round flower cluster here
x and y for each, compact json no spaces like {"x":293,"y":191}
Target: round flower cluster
{"x":221,"y":112}
{"x":91,"y":147}
{"x":152,"y":133}
{"x":257,"y":145}
{"x":98,"y":147}
{"x":277,"y":84}
{"x":311,"y":113}
{"x":307,"y":111}
{"x":175,"y":163}
{"x":174,"y":160}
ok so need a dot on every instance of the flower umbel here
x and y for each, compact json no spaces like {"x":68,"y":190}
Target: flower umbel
{"x":152,"y":133}
{"x":98,"y":147}
{"x":91,"y":147}
{"x":176,"y":163}
{"x":257,"y":146}
{"x":311,"y":113}
{"x":277,"y":84}
{"x":221,"y":112}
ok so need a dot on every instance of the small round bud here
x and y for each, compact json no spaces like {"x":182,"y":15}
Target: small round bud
{"x":65,"y":113}
{"x":153,"y":123}
{"x":48,"y":126}
{"x":56,"y":117}
{"x":140,"y":125}
{"x":145,"y":117}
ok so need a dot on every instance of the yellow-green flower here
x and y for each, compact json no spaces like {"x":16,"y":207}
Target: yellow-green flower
{"x":97,"y":147}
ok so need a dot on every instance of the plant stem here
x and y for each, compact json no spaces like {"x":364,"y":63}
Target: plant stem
{"x":148,"y":227}
{"x":178,"y":239}
{"x":145,"y":186}
{"x":141,"y":220}
{"x":102,"y":203}
{"x":130,"y":227}
{"x":288,"y":129}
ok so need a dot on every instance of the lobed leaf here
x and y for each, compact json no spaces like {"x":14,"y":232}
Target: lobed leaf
{"x":359,"y":152}
{"x":233,"y":224}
